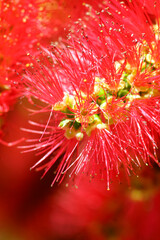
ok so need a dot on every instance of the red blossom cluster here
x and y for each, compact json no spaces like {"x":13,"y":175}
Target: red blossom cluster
{"x":99,"y":87}
{"x":79,"y":82}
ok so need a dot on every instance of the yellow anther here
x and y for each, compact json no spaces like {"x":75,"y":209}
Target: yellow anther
{"x":128,"y":68}
{"x":149,"y":58}
{"x":133,"y":97}
{"x":84,"y":119}
{"x":68,"y":100}
{"x":102,"y":126}
{"x":103,"y":105}
{"x":117,"y":65}
{"x":97,"y":79}
{"x":109,"y":99}
{"x":70,"y":133}
{"x":101,"y":82}
{"x":64,"y":123}
{"x":131,"y":77}
{"x":79,"y":136}
{"x":108,"y":117}
{"x":59,"y":106}
{"x":121,"y":85}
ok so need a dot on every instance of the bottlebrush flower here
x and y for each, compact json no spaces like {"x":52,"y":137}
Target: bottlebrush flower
{"x":103,"y":106}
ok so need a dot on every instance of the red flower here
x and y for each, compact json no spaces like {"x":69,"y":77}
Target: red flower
{"x":100,"y":98}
